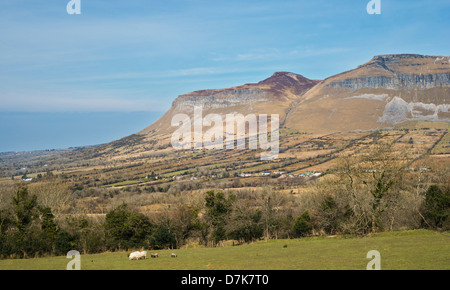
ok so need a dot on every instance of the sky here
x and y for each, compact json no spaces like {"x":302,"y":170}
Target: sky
{"x":128,"y":60}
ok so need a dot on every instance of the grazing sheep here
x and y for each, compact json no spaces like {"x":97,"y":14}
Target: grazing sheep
{"x":174,"y":255}
{"x":143,"y":255}
{"x":155,"y":255}
{"x":138,"y":255}
{"x":134,"y":255}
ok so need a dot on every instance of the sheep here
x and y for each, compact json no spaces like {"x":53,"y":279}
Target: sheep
{"x":155,"y":255}
{"x":134,"y":255}
{"x":138,"y":255}
{"x":174,"y":255}
{"x":143,"y":255}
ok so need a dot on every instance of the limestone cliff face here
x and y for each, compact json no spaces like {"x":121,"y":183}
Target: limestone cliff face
{"x":396,"y":82}
{"x":220,"y":99}
{"x":281,"y":86}
{"x":396,"y":72}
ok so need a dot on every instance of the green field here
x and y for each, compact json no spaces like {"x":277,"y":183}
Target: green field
{"x":399,"y":250}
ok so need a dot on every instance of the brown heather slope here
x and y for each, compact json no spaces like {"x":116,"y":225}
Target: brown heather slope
{"x":384,"y":92}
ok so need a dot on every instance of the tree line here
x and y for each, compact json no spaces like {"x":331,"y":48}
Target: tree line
{"x":29,"y":230}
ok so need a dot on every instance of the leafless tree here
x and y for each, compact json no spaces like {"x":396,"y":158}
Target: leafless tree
{"x":53,"y":194}
{"x":373,"y":179}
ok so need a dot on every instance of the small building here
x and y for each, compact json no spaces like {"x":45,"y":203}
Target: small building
{"x":245,"y":175}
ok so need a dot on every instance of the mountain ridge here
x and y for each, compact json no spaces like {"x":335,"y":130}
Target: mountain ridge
{"x":273,"y":95}
{"x":385,"y":91}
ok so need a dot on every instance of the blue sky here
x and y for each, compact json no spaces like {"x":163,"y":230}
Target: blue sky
{"x":138,"y":56}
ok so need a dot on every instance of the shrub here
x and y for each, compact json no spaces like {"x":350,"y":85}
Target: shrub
{"x":436,"y":208}
{"x":163,"y":238}
{"x":126,"y":229}
{"x":302,"y":226}
{"x":65,"y":242}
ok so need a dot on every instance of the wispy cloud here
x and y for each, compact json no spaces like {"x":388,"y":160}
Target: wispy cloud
{"x":272,"y":54}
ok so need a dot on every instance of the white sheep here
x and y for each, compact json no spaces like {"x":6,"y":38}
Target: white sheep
{"x":138,"y":255}
{"x":134,"y":255}
{"x":143,"y":254}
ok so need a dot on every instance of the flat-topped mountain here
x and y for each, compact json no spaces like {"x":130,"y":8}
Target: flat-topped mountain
{"x":387,"y":91}
{"x":384,"y":92}
{"x":270,"y":96}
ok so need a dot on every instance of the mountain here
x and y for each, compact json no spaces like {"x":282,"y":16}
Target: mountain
{"x":384,"y":92}
{"x":387,"y":91}
{"x":273,"y":95}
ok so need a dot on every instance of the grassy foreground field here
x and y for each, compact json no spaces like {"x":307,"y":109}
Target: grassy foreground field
{"x":408,"y":250}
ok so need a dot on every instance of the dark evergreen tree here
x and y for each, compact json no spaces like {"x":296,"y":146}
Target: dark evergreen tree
{"x":436,"y":207}
{"x":302,"y":226}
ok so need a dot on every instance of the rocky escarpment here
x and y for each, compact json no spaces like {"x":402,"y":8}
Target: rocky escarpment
{"x":396,"y":82}
{"x":220,"y":99}
{"x":396,"y":72}
{"x":281,"y":86}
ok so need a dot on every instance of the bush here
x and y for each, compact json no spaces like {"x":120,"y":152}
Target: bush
{"x":65,"y":242}
{"x":245,"y":224}
{"x":163,"y":238}
{"x":126,"y":229}
{"x":436,"y":208}
{"x":302,"y":226}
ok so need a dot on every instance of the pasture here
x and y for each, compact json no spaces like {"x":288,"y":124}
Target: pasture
{"x":407,"y":250}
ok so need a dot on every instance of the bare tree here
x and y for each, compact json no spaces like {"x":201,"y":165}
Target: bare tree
{"x":273,"y":205}
{"x":54,"y":195}
{"x":373,"y":179}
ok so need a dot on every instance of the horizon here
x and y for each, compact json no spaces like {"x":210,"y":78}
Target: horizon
{"x":138,"y":57}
